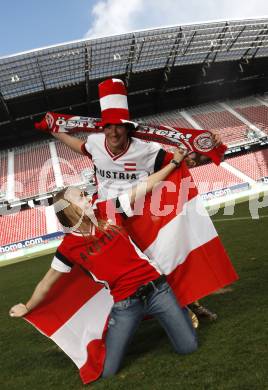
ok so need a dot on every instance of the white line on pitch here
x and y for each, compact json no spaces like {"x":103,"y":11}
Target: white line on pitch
{"x":239,"y":218}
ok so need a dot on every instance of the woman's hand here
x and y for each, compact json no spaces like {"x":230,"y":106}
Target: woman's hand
{"x":179,"y":154}
{"x":38,"y":295}
{"x":190,"y":160}
{"x":216,"y":138}
{"x":18,"y":310}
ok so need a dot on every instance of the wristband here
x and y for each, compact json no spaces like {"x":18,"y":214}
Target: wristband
{"x":177,"y":163}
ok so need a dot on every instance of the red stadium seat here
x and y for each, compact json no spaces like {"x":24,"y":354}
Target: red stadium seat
{"x":23,"y":225}
{"x":72,"y":164}
{"x":210,"y":177}
{"x":30,"y":176}
{"x":255,"y":165}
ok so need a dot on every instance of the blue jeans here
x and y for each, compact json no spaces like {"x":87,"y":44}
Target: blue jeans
{"x":127,"y":314}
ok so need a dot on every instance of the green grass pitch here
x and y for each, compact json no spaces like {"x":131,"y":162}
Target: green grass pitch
{"x":232,"y":354}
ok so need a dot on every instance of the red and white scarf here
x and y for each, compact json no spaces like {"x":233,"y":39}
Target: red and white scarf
{"x":199,"y":141}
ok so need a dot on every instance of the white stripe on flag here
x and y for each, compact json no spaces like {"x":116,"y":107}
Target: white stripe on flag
{"x":192,"y":227}
{"x":114,"y":101}
{"x":83,"y":327}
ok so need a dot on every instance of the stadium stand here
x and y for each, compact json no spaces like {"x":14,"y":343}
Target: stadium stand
{"x":72,"y":164}
{"x":179,"y":68}
{"x":254,"y":165}
{"x":209,"y":177}
{"x":23,"y":225}
{"x":33,"y":169}
{"x":213,"y":117}
{"x":3,"y":174}
{"x":255,"y":112}
{"x":29,"y":160}
{"x":170,"y":118}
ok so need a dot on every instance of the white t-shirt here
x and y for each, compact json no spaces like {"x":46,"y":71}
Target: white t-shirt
{"x":116,"y":174}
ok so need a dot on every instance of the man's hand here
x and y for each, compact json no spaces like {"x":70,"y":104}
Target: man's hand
{"x":74,"y":143}
{"x":179,"y":154}
{"x":194,"y":158}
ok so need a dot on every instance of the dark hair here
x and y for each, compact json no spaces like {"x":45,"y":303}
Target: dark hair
{"x":128,"y":126}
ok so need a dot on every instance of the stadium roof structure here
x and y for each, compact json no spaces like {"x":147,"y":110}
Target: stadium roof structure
{"x":163,"y":68}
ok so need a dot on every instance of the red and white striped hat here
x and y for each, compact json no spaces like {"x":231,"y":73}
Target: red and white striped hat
{"x":113,"y":102}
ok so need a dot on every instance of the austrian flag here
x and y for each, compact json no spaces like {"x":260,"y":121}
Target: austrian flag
{"x":130,"y":166}
{"x":176,"y":233}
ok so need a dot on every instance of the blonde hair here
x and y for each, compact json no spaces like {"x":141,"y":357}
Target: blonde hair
{"x":70,"y":219}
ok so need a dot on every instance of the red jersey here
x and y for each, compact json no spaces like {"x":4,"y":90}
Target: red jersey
{"x":110,"y":257}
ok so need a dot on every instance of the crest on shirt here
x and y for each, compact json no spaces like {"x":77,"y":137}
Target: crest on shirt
{"x":130,"y":166}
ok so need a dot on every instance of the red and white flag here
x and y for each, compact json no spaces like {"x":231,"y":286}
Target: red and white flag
{"x":176,"y":232}
{"x":130,"y":166}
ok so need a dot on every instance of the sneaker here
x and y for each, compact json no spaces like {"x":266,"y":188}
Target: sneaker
{"x":202,"y":311}
{"x":193,"y":318}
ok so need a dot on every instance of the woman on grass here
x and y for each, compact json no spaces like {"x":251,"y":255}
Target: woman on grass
{"x":97,"y":241}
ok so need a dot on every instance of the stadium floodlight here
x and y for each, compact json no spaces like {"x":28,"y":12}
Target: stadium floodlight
{"x":15,"y":78}
{"x":117,"y":57}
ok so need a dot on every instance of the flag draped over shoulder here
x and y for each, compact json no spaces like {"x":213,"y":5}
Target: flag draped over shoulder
{"x":175,"y":231}
{"x":194,"y":140}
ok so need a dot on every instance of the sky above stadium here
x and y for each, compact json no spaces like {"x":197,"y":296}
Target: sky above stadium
{"x":31,"y":24}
